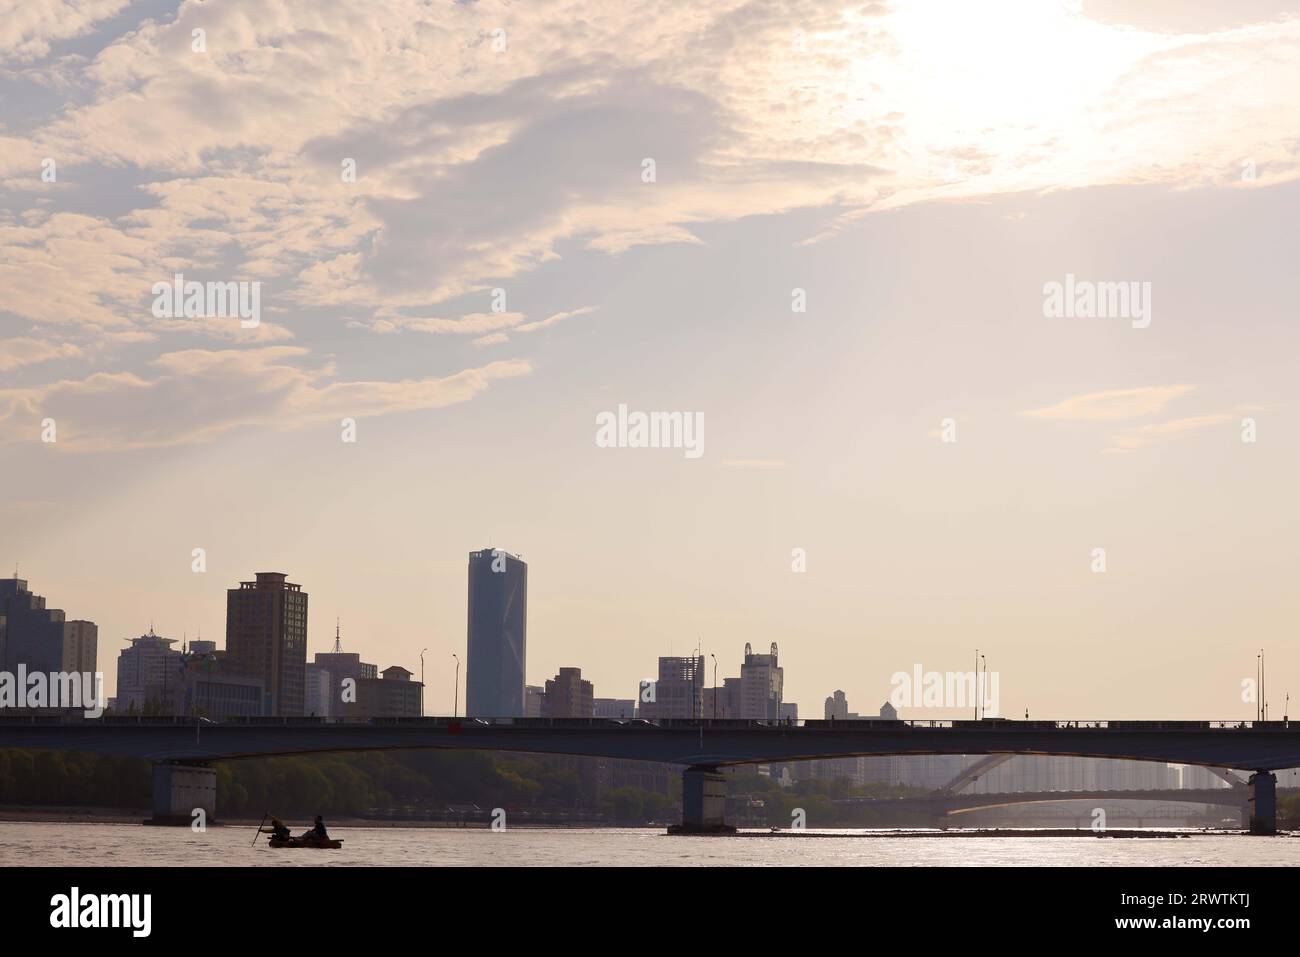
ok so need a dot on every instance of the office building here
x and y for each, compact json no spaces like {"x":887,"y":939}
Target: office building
{"x":678,"y":692}
{"x":144,"y":671}
{"x":762,"y":684}
{"x":837,"y":707}
{"x":497,"y":635}
{"x":318,"y":696}
{"x":392,"y":695}
{"x":568,"y":696}
{"x":42,"y":638}
{"x":266,"y":639}
{"x":339,"y":666}
{"x":614,"y":708}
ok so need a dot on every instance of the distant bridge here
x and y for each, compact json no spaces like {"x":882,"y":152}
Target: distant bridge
{"x":182,"y":747}
{"x":941,"y":804}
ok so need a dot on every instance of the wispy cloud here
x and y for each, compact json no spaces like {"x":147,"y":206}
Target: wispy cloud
{"x":1144,"y":435}
{"x":197,"y":395}
{"x":754,"y":463}
{"x":23,"y":351}
{"x":1112,"y":405}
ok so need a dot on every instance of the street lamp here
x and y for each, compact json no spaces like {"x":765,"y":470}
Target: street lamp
{"x":455,"y":694}
{"x":422,"y":651}
{"x":981,"y":684}
{"x":715,"y":685}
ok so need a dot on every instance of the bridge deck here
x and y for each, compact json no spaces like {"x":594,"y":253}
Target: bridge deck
{"x":705,"y":743}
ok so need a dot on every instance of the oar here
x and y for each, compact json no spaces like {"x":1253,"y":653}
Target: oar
{"x":259,"y":828}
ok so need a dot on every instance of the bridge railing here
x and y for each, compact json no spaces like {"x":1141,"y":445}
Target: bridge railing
{"x":50,"y":716}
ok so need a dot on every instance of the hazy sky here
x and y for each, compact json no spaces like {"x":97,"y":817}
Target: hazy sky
{"x":919,"y":171}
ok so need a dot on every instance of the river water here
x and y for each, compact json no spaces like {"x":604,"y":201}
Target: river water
{"x":55,"y":845}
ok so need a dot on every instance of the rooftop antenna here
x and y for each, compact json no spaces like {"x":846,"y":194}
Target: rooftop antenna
{"x":338,"y":642}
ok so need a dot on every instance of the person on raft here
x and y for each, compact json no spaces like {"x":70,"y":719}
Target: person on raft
{"x":279,"y":830}
{"x":319,"y":830}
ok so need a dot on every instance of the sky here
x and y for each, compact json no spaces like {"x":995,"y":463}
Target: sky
{"x":826,"y":231}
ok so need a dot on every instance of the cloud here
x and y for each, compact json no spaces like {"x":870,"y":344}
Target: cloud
{"x":16,"y":353}
{"x":196,"y":395}
{"x":1144,"y":435}
{"x":476,"y":323}
{"x":27,"y":27}
{"x":1112,"y":405}
{"x":754,"y":463}
{"x":553,"y":319}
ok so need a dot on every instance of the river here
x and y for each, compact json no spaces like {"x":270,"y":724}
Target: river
{"x":51,"y":845}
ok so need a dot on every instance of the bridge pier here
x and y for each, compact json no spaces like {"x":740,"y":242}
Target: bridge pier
{"x":704,"y":803}
{"x":181,"y":789}
{"x":1262,"y":788}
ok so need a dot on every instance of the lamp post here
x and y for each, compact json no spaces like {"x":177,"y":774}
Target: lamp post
{"x":981,"y":684}
{"x":1259,"y":685}
{"x":422,"y":651}
{"x":715,"y":685}
{"x":455,"y":694}
{"x":976,"y":702}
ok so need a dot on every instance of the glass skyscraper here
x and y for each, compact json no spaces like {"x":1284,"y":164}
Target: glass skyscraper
{"x":498,"y":618}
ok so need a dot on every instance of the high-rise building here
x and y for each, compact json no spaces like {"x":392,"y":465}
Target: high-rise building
{"x":266,"y":638}
{"x":534,"y":701}
{"x":497,"y":626}
{"x":761,"y":685}
{"x":143,"y":669}
{"x":678,"y":692}
{"x":42,"y":638}
{"x":568,"y":696}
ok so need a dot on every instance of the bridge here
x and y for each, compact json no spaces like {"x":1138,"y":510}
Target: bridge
{"x":939,"y":805}
{"x":182,"y":749}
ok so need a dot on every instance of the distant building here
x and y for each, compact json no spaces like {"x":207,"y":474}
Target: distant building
{"x":203,"y":687}
{"x":762,"y":684}
{"x":319,"y":695}
{"x":723,"y":702}
{"x":788,"y":711}
{"x":266,"y":638}
{"x":678,"y":692}
{"x":534,"y":701}
{"x":393,"y":695}
{"x":568,"y":696}
{"x":339,"y":666}
{"x":80,"y":646}
{"x":155,"y":678}
{"x":497,"y":635}
{"x":614,"y":708}
{"x":837,"y":707}
{"x":42,"y":638}
{"x":144,"y":670}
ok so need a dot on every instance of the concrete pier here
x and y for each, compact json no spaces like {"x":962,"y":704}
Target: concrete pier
{"x":704,"y":803}
{"x":181,"y":789}
{"x":1262,"y":787}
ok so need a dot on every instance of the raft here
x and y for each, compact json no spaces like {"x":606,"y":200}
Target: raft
{"x":306,"y":840}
